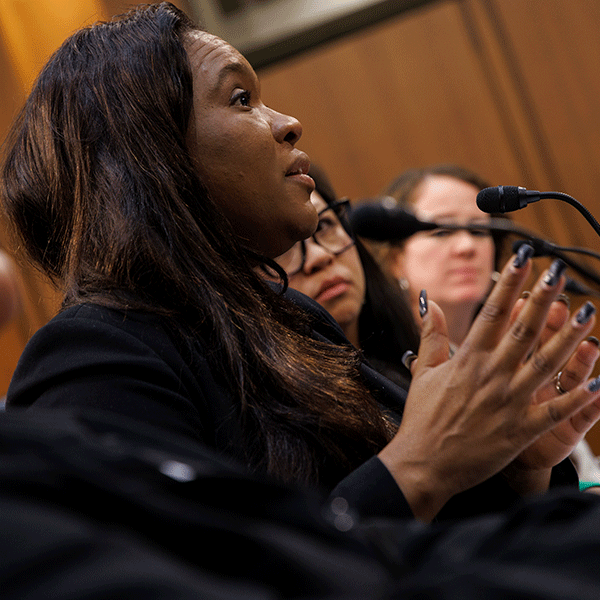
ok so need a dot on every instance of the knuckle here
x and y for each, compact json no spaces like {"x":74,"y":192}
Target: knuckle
{"x":570,"y":375}
{"x":523,"y":333}
{"x":541,"y":364}
{"x":554,"y":413}
{"x":492,"y":311}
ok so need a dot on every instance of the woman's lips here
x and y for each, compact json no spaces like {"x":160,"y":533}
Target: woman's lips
{"x":464,"y":272}
{"x":332,"y":289}
{"x":305,"y":180}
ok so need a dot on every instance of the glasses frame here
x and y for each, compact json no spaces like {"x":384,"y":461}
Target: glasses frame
{"x":339,"y":208}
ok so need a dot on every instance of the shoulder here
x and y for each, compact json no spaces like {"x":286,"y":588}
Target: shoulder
{"x":124,"y":362}
{"x":82,"y":332}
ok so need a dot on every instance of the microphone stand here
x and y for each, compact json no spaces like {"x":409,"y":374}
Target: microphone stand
{"x":580,"y":207}
{"x":542,"y":247}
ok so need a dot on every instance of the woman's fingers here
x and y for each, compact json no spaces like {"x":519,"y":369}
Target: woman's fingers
{"x":525,"y":332}
{"x":546,"y":416}
{"x":434,"y":348}
{"x":548,"y":359}
{"x":574,"y":373}
{"x":557,"y":316}
{"x":492,"y":320}
{"x":579,"y":367}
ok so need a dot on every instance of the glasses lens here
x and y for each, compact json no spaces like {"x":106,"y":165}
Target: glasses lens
{"x":331,"y":234}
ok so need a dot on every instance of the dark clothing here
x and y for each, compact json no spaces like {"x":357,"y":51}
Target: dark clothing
{"x":93,"y":357}
{"x":97,"y":506}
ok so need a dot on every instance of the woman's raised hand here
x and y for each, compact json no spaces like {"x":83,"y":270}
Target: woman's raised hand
{"x":559,"y":442}
{"x":488,"y":408}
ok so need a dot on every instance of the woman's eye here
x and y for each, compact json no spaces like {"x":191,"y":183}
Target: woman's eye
{"x":242,"y":98}
{"x":326,"y":223}
{"x":480,"y":233}
{"x":441,"y":232}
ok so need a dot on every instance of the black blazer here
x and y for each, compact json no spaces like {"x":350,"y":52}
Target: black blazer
{"x":93,"y":357}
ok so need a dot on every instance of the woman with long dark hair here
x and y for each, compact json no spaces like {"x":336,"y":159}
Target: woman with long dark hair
{"x":148,"y":180}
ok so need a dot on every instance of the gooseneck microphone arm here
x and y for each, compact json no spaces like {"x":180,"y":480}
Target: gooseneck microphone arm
{"x":545,"y":248}
{"x":506,"y":198}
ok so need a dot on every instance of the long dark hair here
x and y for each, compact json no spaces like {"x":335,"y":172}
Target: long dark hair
{"x":386,"y":326}
{"x":99,"y":187}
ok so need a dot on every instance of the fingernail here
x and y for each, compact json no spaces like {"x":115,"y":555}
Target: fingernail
{"x":524,"y":253}
{"x":585,"y":313}
{"x":564,"y":299}
{"x":594,"y":385}
{"x":423,"y":303}
{"x":407,"y":358}
{"x":552,"y":276}
{"x":525,"y":294}
{"x":593,"y":340}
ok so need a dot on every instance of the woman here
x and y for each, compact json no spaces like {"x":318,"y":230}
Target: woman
{"x":148,"y":180}
{"x":456,"y":267}
{"x":342,"y":276}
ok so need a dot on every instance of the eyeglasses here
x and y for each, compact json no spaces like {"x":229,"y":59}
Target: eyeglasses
{"x":330,"y":234}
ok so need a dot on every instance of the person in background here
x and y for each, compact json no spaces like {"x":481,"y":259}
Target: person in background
{"x":148,"y":180}
{"x":336,"y":270}
{"x":455,"y":267}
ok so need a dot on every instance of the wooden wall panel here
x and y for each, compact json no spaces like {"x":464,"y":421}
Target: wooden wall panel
{"x":387,"y":99}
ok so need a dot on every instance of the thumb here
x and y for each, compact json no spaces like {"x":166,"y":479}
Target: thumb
{"x":434,"y":348}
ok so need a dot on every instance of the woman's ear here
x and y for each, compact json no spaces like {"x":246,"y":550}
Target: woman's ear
{"x":395,"y":263}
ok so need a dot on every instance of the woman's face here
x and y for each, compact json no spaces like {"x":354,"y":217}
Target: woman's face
{"x":453,"y":266}
{"x":245,"y":151}
{"x":336,"y":282}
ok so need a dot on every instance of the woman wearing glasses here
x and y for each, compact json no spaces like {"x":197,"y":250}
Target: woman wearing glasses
{"x":340,"y":274}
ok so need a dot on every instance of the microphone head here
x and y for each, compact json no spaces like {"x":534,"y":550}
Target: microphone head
{"x":378,"y":221}
{"x":500,"y":199}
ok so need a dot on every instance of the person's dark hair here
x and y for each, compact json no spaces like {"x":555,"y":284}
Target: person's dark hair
{"x":386,"y":325}
{"x":403,"y":189}
{"x":100,"y":190}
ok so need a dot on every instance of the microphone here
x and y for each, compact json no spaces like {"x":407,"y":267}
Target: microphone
{"x":380,"y":222}
{"x":506,"y":198}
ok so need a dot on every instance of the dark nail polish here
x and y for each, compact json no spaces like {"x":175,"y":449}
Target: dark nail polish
{"x":564,"y":299}
{"x":524,"y":253}
{"x":593,"y":340}
{"x":423,"y":303}
{"x":585,"y":313}
{"x":407,"y":358}
{"x":552,"y":276}
{"x":525,"y":294}
{"x":594,"y":385}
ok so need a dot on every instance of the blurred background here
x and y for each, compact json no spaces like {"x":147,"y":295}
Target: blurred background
{"x":507,"y":88}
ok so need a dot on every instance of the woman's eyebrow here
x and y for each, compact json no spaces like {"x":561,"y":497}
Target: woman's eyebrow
{"x":238,"y":68}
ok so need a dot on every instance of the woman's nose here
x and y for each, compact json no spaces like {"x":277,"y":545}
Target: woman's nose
{"x":285,"y":128}
{"x":464,"y":242}
{"x":316,"y":258}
